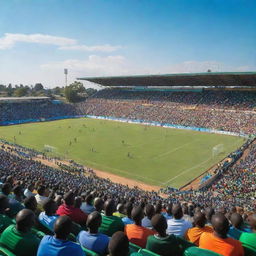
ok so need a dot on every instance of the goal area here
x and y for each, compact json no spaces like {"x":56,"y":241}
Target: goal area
{"x":48,"y":148}
{"x":218,"y":150}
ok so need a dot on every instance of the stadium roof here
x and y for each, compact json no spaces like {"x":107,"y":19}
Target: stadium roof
{"x":184,"y":79}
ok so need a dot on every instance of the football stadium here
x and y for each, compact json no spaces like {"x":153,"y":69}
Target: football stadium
{"x":146,"y":130}
{"x":145,"y":145}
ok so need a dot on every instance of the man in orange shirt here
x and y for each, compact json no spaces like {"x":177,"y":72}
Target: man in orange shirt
{"x":218,"y":240}
{"x":193,"y":234}
{"x":135,"y":232}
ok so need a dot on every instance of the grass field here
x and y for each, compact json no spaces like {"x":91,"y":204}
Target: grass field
{"x":158,"y":156}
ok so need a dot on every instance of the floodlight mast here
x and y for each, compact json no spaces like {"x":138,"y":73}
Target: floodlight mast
{"x":66,"y":76}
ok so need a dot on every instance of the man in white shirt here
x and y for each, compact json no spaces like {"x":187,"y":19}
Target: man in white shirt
{"x":29,"y":191}
{"x":177,"y":225}
{"x":40,"y":197}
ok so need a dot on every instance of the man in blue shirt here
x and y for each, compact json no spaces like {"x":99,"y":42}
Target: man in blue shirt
{"x":128,"y":210}
{"x":58,"y":245}
{"x":92,"y":239}
{"x":48,"y":217}
{"x":236,"y":230}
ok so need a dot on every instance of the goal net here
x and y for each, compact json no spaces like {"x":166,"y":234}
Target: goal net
{"x":217,"y":150}
{"x":48,"y":148}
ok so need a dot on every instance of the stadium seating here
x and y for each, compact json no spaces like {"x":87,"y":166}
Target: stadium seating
{"x":229,"y":111}
{"x":249,"y":251}
{"x":134,"y":248}
{"x":222,"y":110}
{"x":195,"y":251}
{"x":89,"y":252}
{"x":145,"y":252}
{"x":5,"y":252}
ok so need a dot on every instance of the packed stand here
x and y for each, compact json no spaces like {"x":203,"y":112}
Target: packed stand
{"x":47,"y":211}
{"x":34,"y":110}
{"x":222,"y":110}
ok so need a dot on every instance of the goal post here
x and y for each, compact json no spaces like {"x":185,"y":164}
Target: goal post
{"x":48,"y":148}
{"x":217,"y":150}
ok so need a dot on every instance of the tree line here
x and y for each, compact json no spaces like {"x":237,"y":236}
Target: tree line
{"x":74,"y":92}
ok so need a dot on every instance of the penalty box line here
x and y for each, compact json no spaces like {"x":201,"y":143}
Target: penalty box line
{"x":187,"y":170}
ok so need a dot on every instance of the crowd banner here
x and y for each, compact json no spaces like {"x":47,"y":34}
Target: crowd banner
{"x":134,"y":121}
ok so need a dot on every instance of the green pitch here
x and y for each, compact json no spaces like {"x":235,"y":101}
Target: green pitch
{"x":153,"y":155}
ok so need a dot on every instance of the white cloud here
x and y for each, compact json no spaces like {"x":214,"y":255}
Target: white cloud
{"x":99,"y":48}
{"x":245,"y":68}
{"x":63,"y":43}
{"x":51,"y":74}
{"x":193,"y":66}
{"x":94,"y":65}
{"x":115,"y":65}
{"x":9,"y":40}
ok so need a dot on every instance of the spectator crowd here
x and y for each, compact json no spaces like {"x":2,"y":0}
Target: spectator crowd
{"x":232,"y":111}
{"x":222,"y":110}
{"x":47,"y":211}
{"x":30,"y":110}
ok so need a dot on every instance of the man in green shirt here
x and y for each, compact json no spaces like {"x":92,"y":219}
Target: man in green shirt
{"x":163,"y":244}
{"x":249,"y":239}
{"x":5,"y":221}
{"x":110,"y":224}
{"x":18,"y":238}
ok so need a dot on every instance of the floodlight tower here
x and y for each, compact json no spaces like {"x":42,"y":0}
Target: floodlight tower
{"x":66,"y":76}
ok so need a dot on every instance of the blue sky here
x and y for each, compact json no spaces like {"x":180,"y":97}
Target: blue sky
{"x":39,"y":38}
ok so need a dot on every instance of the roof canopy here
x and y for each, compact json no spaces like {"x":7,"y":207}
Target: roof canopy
{"x":186,"y":79}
